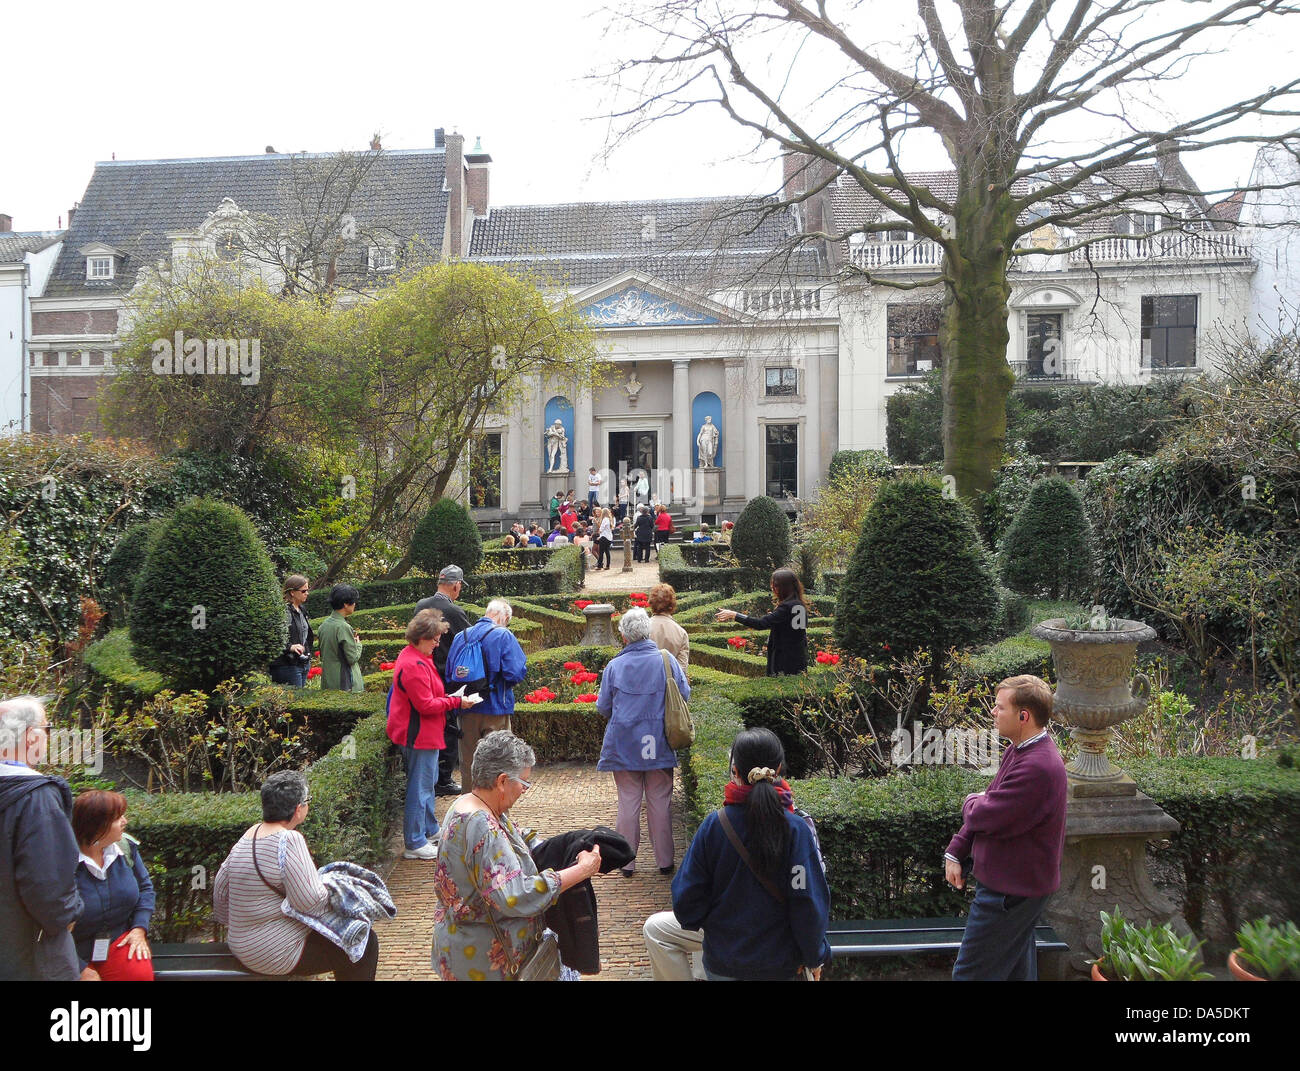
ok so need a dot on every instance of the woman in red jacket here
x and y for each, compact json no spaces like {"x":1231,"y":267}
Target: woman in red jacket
{"x":663,"y":527}
{"x":417,"y":715}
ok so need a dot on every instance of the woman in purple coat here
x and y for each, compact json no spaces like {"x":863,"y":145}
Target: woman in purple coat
{"x":632,"y":694}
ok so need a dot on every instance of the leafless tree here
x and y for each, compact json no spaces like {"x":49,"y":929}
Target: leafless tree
{"x":1050,"y":112}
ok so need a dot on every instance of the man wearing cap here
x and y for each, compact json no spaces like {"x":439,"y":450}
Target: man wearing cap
{"x":450,"y":583}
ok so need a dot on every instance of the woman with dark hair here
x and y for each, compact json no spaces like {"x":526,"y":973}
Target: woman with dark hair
{"x":112,"y":933}
{"x":787,"y":643}
{"x":293,"y":662}
{"x":752,"y":878}
{"x":340,"y":646}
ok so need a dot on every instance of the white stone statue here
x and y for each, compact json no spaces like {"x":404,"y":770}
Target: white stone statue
{"x":707,"y":441}
{"x":557,"y":448}
{"x":633,"y":387}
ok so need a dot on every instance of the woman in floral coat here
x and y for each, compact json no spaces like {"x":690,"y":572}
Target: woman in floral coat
{"x":491,"y":898}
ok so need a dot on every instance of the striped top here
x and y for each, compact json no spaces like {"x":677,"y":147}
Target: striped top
{"x":263,"y":938}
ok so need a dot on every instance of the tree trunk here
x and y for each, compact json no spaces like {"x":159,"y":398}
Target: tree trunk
{"x":973,"y":338}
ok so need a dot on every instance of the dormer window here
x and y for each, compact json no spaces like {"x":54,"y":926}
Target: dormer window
{"x":383,"y":258}
{"x":101,"y":261}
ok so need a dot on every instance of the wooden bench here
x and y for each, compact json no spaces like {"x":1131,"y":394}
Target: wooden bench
{"x":209,"y":962}
{"x":897,"y":937}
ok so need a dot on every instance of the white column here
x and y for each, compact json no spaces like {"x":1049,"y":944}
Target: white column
{"x":583,"y":452}
{"x":810,"y":437}
{"x":734,"y":430}
{"x":681,"y":424}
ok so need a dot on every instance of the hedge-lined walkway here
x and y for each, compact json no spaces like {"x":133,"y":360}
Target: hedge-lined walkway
{"x":643,"y":577}
{"x":563,"y":797}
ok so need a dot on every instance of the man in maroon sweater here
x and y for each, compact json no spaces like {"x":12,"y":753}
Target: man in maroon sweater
{"x":1014,"y":832}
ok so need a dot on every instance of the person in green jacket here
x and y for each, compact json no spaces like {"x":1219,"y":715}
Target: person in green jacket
{"x":340,"y":649}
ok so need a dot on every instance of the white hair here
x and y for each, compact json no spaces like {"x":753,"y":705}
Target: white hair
{"x":635,"y":625}
{"x":498,"y":605}
{"x":17,"y":715}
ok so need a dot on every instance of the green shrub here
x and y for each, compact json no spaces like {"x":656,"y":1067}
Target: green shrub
{"x":124,"y":566}
{"x":446,"y":535}
{"x":674,"y":570}
{"x":913,"y":422}
{"x":850,"y":462}
{"x":207,"y":606}
{"x":919,"y":578}
{"x":1048,"y":548}
{"x":761,"y":538}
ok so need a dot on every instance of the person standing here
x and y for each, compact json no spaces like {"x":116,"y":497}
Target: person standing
{"x":38,"y":853}
{"x":504,"y":666}
{"x":787,"y":643}
{"x":555,"y":508}
{"x":633,"y":690}
{"x":666,"y":633}
{"x":643,"y":530}
{"x":593,"y":486}
{"x":663,"y":527}
{"x":1014,"y":834}
{"x":451,"y":582}
{"x":294,"y":661}
{"x":604,"y":538}
{"x":340,"y":646}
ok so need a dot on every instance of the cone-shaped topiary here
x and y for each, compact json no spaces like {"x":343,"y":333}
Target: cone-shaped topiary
{"x":124,"y":566}
{"x":919,"y":577}
{"x":207,"y":607}
{"x":761,"y":539}
{"x":446,"y":535}
{"x":1048,"y":548}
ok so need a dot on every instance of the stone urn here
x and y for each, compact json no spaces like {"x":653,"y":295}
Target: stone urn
{"x":1096,"y":687}
{"x":600,"y":626}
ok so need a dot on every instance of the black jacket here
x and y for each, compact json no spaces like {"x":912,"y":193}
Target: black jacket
{"x":645,"y":528}
{"x":573,"y":915}
{"x":787,"y":646}
{"x":38,"y":888}
{"x":459,"y":623}
{"x":300,"y":631}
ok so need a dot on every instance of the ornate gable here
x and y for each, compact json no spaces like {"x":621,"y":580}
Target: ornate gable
{"x":635,"y":300}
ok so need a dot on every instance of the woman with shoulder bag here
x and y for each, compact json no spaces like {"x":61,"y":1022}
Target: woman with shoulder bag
{"x":752,"y":878}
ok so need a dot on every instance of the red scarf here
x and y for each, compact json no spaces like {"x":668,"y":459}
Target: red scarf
{"x":739,"y":794}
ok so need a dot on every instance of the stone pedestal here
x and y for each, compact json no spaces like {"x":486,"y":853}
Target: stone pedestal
{"x":1105,"y":864}
{"x":600,"y":629}
{"x":710,"y":488}
{"x":625,"y":534}
{"x":558,"y":483}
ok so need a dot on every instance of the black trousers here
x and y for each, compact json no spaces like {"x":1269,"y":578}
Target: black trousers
{"x":640,"y":551}
{"x":320,"y":954}
{"x":602,"y":552}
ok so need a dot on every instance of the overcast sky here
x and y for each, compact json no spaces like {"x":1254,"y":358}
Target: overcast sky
{"x":152,"y":80}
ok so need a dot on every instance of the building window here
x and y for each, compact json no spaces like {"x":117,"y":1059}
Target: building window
{"x":782,"y":381}
{"x":1169,"y":332}
{"x":485,"y":472}
{"x":782,"y":460}
{"x":1045,"y":350}
{"x":99,"y":267}
{"x":382,"y":258}
{"x":913,"y":339}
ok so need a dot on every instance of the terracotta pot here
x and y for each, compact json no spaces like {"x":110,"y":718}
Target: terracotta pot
{"x":1097,"y":976}
{"x":1239,"y":970}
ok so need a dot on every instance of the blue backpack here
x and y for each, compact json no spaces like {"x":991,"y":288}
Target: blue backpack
{"x":465,"y":664}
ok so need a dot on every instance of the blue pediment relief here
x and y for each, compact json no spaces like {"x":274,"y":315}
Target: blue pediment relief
{"x":636,"y":307}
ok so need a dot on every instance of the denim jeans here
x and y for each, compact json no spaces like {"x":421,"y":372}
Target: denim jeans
{"x":294,"y":676}
{"x":998,"y":945}
{"x":419,"y":823}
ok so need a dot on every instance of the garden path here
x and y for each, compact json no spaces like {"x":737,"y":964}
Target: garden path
{"x":643,"y":577}
{"x":563,"y":796}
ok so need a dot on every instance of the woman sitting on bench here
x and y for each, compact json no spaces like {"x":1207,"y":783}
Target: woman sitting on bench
{"x":271,"y":864}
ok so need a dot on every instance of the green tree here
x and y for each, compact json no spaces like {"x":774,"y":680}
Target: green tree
{"x":1048,"y":548}
{"x":1004,"y":88}
{"x":919,"y":578}
{"x":761,"y":539}
{"x":207,"y":607}
{"x":125,"y":564}
{"x":446,"y":535}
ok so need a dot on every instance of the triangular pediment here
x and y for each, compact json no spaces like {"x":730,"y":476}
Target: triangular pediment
{"x":634,"y":299}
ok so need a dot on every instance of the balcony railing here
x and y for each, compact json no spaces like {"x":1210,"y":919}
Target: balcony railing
{"x":1033,"y":373}
{"x":918,"y":253}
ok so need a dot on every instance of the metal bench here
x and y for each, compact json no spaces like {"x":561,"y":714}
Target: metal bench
{"x":897,"y":937}
{"x":206,"y":962}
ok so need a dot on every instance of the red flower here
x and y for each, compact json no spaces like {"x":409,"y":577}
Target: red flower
{"x":315,"y":671}
{"x":387,"y":665}
{"x":823,"y":657}
{"x":574,"y":665}
{"x":835,"y":660}
{"x":316,"y":653}
{"x":737,"y":641}
{"x":590,"y":697}
{"x":540,"y":695}
{"x":581,"y":604}
{"x":886,"y":646}
{"x":583,"y":677}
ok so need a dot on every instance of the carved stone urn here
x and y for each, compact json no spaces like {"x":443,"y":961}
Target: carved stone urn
{"x":600,"y":626}
{"x":1094,"y":668}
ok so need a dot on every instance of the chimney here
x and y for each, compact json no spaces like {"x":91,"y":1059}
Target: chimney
{"x":270,"y":150}
{"x":476,"y":179}
{"x":374,"y":142}
{"x":454,"y":243}
{"x":801,"y":173}
{"x":6,"y":222}
{"x":439,"y":138}
{"x":72,"y":212}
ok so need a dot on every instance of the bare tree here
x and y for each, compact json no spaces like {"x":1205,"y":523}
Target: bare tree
{"x":1011,"y":90}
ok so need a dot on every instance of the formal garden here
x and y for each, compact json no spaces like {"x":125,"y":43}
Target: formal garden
{"x":143,"y":595}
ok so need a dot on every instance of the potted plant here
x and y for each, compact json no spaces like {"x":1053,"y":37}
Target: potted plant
{"x":1266,"y":953}
{"x":1146,"y":953}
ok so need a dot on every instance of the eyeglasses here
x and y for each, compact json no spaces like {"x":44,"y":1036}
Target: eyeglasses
{"x":527,"y":784}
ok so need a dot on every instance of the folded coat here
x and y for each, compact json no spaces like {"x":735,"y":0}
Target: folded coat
{"x":573,"y":915}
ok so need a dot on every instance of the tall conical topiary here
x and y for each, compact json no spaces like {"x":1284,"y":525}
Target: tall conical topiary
{"x":919,"y":577}
{"x":124,"y":566}
{"x":1048,"y":548}
{"x":446,"y":535}
{"x":207,"y":607}
{"x":761,"y":539}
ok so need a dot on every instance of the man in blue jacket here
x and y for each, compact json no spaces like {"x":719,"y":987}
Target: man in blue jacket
{"x":38,"y":853}
{"x":504,"y":666}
